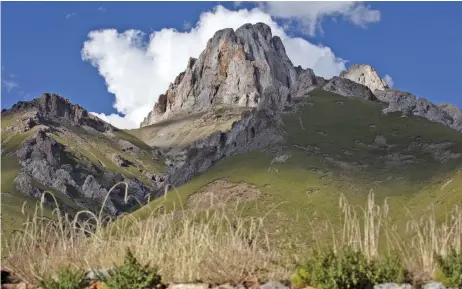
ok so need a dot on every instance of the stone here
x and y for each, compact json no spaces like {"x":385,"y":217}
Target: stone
{"x":393,"y":286}
{"x":348,"y":88}
{"x":120,"y":161}
{"x":380,"y":140}
{"x":433,"y":285}
{"x":366,"y":75}
{"x":189,"y":286}
{"x":94,"y":273}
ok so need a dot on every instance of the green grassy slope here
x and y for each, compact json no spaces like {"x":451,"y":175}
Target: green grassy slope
{"x":330,"y":143}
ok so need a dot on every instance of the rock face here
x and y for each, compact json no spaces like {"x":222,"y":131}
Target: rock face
{"x":366,"y":75}
{"x":409,"y":104}
{"x":354,"y":80}
{"x":247,"y":67}
{"x":44,"y":161}
{"x":348,"y":88}
{"x":53,"y":107}
{"x":256,"y":129}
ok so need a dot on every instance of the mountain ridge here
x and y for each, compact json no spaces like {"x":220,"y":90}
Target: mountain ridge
{"x":242,"y":95}
{"x":253,"y":49}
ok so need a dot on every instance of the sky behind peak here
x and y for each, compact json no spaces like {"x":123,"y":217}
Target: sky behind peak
{"x":115,"y":58}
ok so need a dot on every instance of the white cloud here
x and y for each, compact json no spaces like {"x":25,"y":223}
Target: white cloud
{"x":388,"y":80}
{"x":187,"y":25}
{"x":309,"y":15}
{"x":137,"y":72}
{"x":101,"y":9}
{"x":116,"y":120}
{"x":69,"y":15}
{"x":9,"y":84}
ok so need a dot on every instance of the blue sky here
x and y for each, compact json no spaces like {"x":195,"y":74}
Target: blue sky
{"x":418,"y":44}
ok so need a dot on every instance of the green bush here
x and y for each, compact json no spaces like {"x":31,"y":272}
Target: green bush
{"x":67,"y":279}
{"x":131,"y":275}
{"x":449,"y":270}
{"x":347,"y":269}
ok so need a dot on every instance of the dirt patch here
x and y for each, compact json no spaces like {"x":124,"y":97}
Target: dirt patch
{"x":221,"y":193}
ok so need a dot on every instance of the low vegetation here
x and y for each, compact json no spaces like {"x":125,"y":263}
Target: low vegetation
{"x":218,"y":246}
{"x":67,"y":278}
{"x":131,"y":274}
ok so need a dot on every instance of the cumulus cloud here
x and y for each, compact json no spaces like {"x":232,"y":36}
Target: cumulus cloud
{"x":309,"y":15}
{"x":137,"y":68}
{"x":387,"y":78}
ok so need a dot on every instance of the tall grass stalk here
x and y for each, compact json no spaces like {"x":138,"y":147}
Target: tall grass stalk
{"x":187,"y":245}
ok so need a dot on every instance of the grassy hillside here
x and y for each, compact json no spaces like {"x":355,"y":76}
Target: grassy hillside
{"x":330,"y":150}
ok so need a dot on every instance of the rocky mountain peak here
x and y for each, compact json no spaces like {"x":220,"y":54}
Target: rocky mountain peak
{"x":51,"y":107}
{"x":366,"y":75}
{"x":247,"y":67}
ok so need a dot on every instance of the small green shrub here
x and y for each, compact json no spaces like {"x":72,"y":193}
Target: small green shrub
{"x":390,"y":269}
{"x":67,"y":279}
{"x":348,"y":269}
{"x":449,"y":270}
{"x":131,"y":275}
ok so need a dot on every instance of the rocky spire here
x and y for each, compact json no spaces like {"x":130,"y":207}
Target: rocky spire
{"x":247,"y":67}
{"x":366,"y":75}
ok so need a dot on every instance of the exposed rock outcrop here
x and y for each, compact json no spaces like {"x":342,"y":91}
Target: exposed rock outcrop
{"x":409,"y":104}
{"x":42,"y":159}
{"x":306,"y":81}
{"x":51,"y":107}
{"x":366,"y":75}
{"x":247,"y":67}
{"x":362,"y":75}
{"x":256,"y":129}
{"x":348,"y":88}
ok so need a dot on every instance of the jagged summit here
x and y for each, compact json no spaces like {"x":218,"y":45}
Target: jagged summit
{"x":55,"y":108}
{"x":247,"y":67}
{"x":366,"y":75}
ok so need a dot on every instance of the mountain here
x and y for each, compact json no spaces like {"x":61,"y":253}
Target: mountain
{"x":243,"y":124}
{"x":50,"y":144}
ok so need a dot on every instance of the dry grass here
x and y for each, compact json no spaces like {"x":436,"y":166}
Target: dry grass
{"x":419,"y":243}
{"x":186,"y":245}
{"x":214,"y":246}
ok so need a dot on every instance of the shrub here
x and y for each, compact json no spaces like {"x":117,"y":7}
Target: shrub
{"x":131,"y":275}
{"x":449,"y":270}
{"x":347,"y":269}
{"x":67,"y":279}
{"x":390,"y":269}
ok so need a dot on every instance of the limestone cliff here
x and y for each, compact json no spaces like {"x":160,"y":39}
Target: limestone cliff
{"x":247,"y":67}
{"x":366,"y":75}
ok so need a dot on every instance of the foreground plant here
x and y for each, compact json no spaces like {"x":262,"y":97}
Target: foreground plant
{"x":449,"y":270}
{"x":67,"y":278}
{"x":131,"y":275}
{"x":347,"y":269}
